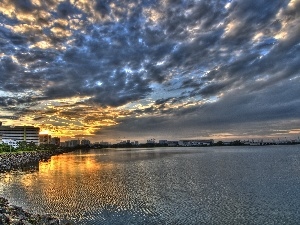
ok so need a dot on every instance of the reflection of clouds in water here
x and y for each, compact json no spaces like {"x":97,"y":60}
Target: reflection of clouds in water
{"x":214,"y":185}
{"x":77,"y":185}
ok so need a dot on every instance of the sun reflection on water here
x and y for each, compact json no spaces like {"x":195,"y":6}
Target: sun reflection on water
{"x":77,"y":185}
{"x":164,"y":186}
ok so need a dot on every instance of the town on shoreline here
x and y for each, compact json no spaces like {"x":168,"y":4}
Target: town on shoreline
{"x":29,"y":138}
{"x":29,"y":148}
{"x":180,"y":143}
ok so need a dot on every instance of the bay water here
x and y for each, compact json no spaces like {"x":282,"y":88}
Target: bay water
{"x":196,"y":185}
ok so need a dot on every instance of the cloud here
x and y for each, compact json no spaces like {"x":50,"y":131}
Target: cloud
{"x":102,"y":7}
{"x":14,"y":101}
{"x":23,"y":5}
{"x":257,"y":114}
{"x":157,"y":60}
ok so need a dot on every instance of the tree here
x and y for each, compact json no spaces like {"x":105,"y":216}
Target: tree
{"x":4,"y":147}
{"x":24,"y":146}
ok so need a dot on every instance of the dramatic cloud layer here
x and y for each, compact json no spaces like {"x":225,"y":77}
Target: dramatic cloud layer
{"x":161,"y":68}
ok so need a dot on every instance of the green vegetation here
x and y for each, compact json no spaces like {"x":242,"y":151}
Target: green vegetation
{"x":4,"y":148}
{"x":25,"y":147}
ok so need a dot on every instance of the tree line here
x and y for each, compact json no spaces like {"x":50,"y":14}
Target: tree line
{"x":24,"y":146}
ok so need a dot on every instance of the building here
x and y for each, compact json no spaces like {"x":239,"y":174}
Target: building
{"x":14,"y":134}
{"x":71,"y":143}
{"x":104,"y":143}
{"x":163,"y":142}
{"x":55,"y":141}
{"x":151,"y":141}
{"x":63,"y":144}
{"x":45,"y":139}
{"x":189,"y":143}
{"x":85,"y":142}
{"x":172,"y":143}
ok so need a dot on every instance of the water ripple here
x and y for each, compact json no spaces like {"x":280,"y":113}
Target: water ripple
{"x":159,"y":186}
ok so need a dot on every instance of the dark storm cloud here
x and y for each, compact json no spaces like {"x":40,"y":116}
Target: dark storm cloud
{"x":212,"y":89}
{"x":162,"y":101}
{"x":115,"y":52}
{"x":7,"y":102}
{"x":65,"y":9}
{"x":109,"y":48}
{"x":9,"y":39}
{"x":250,"y":17}
{"x":103,"y":7}
{"x":259,"y":113}
{"x":14,"y":79}
{"x":23,"y":5}
{"x":39,"y":118}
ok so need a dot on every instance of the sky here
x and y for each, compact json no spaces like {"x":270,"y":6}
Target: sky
{"x":108,"y":70}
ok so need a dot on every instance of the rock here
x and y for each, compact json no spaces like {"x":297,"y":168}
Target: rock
{"x":26,"y":223}
{"x":3,"y":219}
{"x":18,"y":161}
{"x":17,"y":216}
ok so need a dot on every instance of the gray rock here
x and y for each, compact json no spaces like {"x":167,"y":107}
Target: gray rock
{"x":16,"y":215}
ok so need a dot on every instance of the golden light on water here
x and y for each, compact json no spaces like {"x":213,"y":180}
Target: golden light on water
{"x":69,"y":166}
{"x":66,"y":177}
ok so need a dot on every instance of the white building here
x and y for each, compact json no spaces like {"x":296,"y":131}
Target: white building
{"x":195,"y":142}
{"x":151,"y":141}
{"x":11,"y":143}
{"x":162,"y":142}
{"x":14,"y":134}
{"x":172,"y":143}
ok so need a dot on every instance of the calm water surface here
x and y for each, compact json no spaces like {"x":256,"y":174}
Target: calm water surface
{"x":216,"y":185}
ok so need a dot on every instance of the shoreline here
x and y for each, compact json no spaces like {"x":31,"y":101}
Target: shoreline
{"x":20,"y":160}
{"x":11,"y":214}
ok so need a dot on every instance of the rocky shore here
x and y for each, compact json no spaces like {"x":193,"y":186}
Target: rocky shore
{"x":10,"y":214}
{"x":20,"y":160}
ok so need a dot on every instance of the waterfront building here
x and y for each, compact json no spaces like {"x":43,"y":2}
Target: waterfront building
{"x":85,"y":142}
{"x":189,"y":143}
{"x":55,"y":141}
{"x":172,"y":143}
{"x":162,"y":142}
{"x":14,"y":134}
{"x":45,"y":139}
{"x":63,"y":144}
{"x":72,"y":143}
{"x":151,"y":141}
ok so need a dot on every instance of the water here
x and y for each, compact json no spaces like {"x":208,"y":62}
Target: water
{"x":215,"y":185}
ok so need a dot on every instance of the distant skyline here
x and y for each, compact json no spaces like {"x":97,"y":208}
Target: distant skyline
{"x":169,"y":69}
